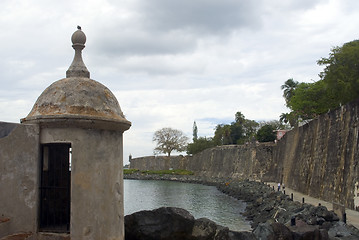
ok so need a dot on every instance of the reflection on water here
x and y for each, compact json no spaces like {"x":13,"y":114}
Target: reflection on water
{"x":199,"y":200}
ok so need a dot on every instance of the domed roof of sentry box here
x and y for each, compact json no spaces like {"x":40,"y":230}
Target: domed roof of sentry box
{"x":77,"y":99}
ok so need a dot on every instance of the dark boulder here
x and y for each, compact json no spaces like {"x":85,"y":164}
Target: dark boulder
{"x":304,"y":231}
{"x":241,"y":235}
{"x":169,"y":223}
{"x":278,"y":231}
{"x":272,"y":231}
{"x":264,"y":206}
{"x":340,"y":230}
{"x":204,"y":229}
{"x":162,"y":223}
{"x":263,"y":231}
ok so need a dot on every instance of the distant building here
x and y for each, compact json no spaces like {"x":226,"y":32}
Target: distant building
{"x":280,"y":133}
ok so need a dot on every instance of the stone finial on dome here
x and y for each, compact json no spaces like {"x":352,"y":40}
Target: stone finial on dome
{"x":78,"y":68}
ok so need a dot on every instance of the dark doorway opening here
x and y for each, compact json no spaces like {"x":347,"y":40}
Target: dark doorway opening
{"x":55,"y":188}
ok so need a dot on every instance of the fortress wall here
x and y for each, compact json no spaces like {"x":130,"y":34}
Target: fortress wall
{"x":159,"y":162}
{"x":230,"y":161}
{"x":233,"y":161}
{"x":320,"y":158}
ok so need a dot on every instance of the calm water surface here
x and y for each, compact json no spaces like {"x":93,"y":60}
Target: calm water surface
{"x":199,"y":200}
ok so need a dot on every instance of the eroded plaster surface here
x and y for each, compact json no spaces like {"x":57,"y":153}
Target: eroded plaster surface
{"x":19,"y":155}
{"x":356,"y":196}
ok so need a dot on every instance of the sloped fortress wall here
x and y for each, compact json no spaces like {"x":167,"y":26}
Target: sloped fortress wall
{"x":159,"y":162}
{"x":232,"y":161}
{"x":19,"y":159}
{"x":321,"y":158}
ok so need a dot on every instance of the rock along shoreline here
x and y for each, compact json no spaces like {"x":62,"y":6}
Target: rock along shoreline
{"x":273,"y":215}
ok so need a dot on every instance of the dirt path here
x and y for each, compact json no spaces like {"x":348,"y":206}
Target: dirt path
{"x":352,"y":216}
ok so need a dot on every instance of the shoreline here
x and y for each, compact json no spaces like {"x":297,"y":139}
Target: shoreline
{"x":269,"y":209}
{"x":202,"y":201}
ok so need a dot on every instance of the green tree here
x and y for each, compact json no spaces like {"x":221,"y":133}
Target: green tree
{"x":239,"y":118}
{"x":195,"y":131}
{"x":266,"y":134}
{"x":250,"y":128}
{"x":238,"y":132}
{"x":276,"y":124}
{"x":311,"y":100}
{"x":338,"y":84}
{"x":289,"y":118}
{"x":199,"y":145}
{"x":168,"y":140}
{"x":288,"y":89}
{"x":341,"y":73}
{"x":222,"y":134}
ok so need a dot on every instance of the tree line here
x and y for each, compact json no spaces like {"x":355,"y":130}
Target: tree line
{"x":338,"y":84}
{"x":240,"y":131}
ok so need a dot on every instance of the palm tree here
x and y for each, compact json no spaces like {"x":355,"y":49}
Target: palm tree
{"x":290,"y":118}
{"x":284,"y":118}
{"x":289,"y":87}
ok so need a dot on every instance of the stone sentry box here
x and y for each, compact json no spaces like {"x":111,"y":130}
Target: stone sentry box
{"x":78,"y":184}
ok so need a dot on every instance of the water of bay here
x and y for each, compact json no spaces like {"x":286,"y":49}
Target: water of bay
{"x":199,"y":200}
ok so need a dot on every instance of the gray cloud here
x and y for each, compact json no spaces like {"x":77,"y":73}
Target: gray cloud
{"x":200,"y":17}
{"x":120,"y":43}
{"x":162,"y":27}
{"x":171,"y":62}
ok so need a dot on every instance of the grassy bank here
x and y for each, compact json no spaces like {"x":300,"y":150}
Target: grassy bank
{"x":159,"y":172}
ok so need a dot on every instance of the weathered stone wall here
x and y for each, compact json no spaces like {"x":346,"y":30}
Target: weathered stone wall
{"x":159,"y":162}
{"x":19,"y":164}
{"x":231,"y":161}
{"x":320,"y":159}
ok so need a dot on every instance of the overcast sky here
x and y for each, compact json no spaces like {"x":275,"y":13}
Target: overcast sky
{"x":169,"y":62}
